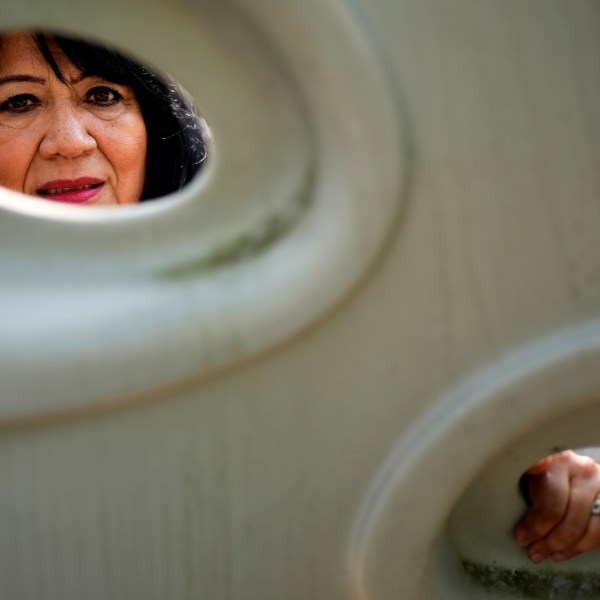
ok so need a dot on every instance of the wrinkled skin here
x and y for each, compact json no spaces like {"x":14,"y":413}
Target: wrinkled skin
{"x":562,"y":488}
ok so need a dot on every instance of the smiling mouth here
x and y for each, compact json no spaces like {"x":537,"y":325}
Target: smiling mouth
{"x":66,"y":190}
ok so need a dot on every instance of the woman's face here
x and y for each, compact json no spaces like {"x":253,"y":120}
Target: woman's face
{"x":79,"y":142}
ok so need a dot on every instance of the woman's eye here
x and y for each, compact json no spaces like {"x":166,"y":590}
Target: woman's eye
{"x":103,"y":96}
{"x":21,"y":103}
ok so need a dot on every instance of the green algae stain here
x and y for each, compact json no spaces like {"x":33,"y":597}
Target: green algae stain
{"x":251,"y":243}
{"x":524,"y":583}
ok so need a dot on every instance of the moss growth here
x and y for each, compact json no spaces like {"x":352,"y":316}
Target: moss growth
{"x":523,"y":583}
{"x":251,"y":243}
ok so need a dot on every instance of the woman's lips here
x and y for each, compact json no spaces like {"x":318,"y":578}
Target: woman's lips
{"x":71,"y":191}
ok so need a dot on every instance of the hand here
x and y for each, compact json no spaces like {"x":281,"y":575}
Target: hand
{"x":561,"y":488}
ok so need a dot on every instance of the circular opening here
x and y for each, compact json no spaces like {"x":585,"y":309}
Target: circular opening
{"x":443,"y":506}
{"x":530,"y":533}
{"x":139,"y":299}
{"x":83,"y":124}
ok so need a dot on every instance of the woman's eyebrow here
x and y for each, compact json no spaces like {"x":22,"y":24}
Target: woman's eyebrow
{"x":21,"y":78}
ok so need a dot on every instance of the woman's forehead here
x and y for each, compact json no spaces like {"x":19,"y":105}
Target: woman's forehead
{"x":19,"y":51}
{"x":18,"y":48}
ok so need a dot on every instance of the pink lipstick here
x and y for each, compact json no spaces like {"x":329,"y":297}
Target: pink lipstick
{"x":71,"y":191}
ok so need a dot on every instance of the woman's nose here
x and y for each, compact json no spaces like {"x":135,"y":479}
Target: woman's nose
{"x":67,"y":133}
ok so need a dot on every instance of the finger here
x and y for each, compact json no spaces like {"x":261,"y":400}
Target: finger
{"x":589,"y":541}
{"x":565,"y":458}
{"x":575,"y":522}
{"x":549,"y":494}
{"x":542,"y":465}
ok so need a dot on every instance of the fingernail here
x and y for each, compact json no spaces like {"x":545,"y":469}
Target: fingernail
{"x":558,"y":557}
{"x":522,"y":540}
{"x":537,"y":558}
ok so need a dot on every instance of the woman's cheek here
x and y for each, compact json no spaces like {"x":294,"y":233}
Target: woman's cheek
{"x":17,"y":151}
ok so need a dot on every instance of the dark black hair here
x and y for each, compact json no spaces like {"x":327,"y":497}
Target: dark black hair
{"x":176,"y":135}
